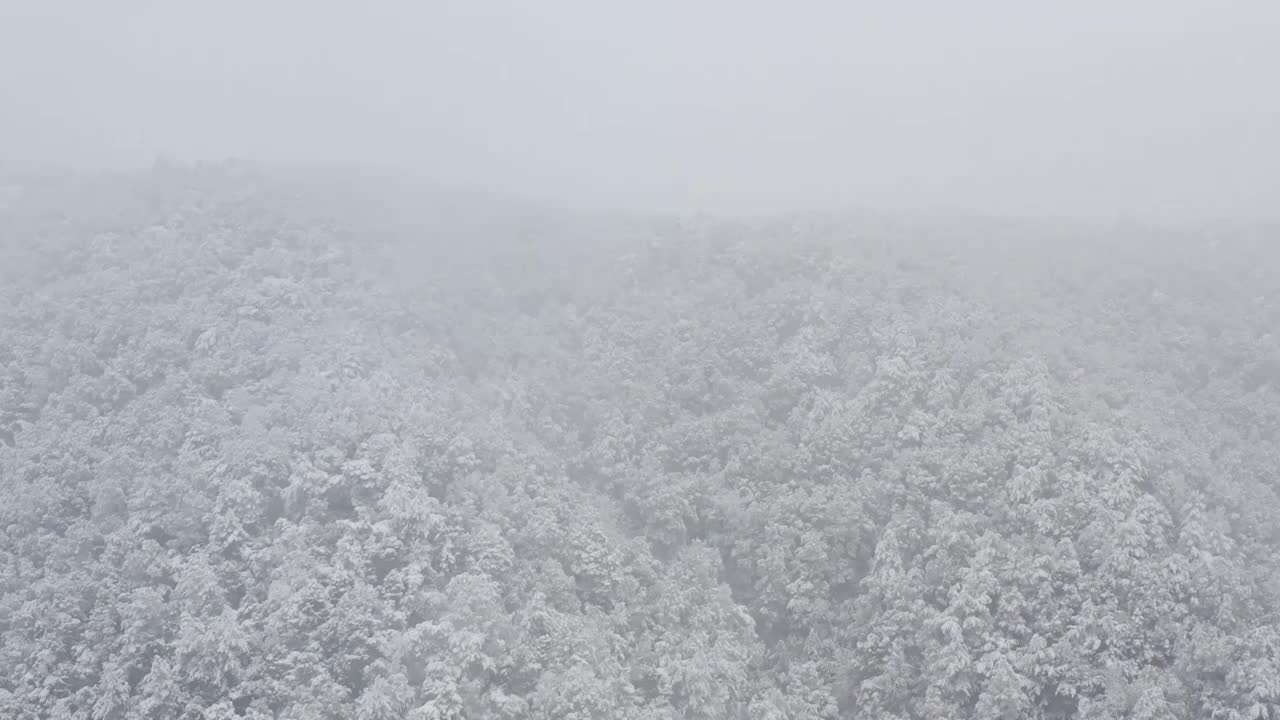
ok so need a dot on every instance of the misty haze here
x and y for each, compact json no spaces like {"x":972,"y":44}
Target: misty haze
{"x":655,"y":361}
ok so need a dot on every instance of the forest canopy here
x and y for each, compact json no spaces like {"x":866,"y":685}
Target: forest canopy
{"x":286,"y":446}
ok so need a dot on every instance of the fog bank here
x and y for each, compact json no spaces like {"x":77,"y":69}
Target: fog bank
{"x":1159,"y":111}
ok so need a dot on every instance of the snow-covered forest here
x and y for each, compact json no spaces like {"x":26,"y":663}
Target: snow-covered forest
{"x":280,"y":446}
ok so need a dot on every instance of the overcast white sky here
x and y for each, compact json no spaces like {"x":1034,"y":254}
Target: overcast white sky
{"x":1164,"y":110}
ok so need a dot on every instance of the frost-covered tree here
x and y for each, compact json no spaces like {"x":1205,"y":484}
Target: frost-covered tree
{"x":283,"y":449}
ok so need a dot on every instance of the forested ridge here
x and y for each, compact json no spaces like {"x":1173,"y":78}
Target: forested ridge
{"x":279,"y":447}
